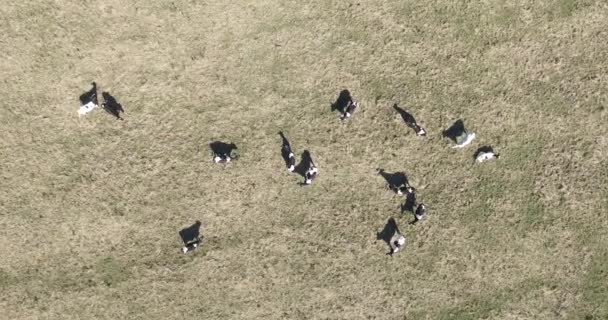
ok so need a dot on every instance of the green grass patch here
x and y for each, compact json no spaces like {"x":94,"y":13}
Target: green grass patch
{"x":566,"y":7}
{"x":594,"y":290}
{"x":491,"y":303}
{"x":534,"y":212}
{"x":111,"y":271}
{"x":6,"y":279}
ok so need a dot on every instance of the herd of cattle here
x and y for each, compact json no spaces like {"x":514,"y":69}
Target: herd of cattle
{"x":346,"y":106}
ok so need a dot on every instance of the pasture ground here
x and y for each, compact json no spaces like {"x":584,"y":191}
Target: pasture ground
{"x":91,"y":207}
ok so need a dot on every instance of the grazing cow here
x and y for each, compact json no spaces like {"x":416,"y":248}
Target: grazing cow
{"x":410,"y":121}
{"x":222,"y":152}
{"x":419,"y":214}
{"x":287,"y":153}
{"x":88,"y":100}
{"x":485,"y":153}
{"x":459,"y":134}
{"x":112,"y":106}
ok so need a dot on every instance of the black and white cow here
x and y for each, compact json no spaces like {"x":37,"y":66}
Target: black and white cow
{"x":485,"y":153}
{"x":222,"y":152}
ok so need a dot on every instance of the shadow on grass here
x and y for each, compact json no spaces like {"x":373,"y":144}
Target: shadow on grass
{"x":454,"y":131}
{"x":286,"y":151}
{"x":388,"y":231}
{"x":397,"y":181}
{"x":407,"y":117}
{"x":111,"y":106}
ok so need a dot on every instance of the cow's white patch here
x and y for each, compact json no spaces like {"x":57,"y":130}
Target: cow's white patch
{"x":401,"y":241}
{"x":86,"y":108}
{"x":483,"y":156}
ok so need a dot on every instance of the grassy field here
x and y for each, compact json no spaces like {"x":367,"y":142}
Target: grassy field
{"x":90,"y":208}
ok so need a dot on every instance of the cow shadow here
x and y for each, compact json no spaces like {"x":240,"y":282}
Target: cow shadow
{"x":396,"y":181}
{"x":191,"y":233}
{"x":342,"y":102}
{"x":454,"y":131}
{"x":387,"y":233}
{"x":407,"y":117}
{"x":285,"y":149}
{"x":111,"y":106}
